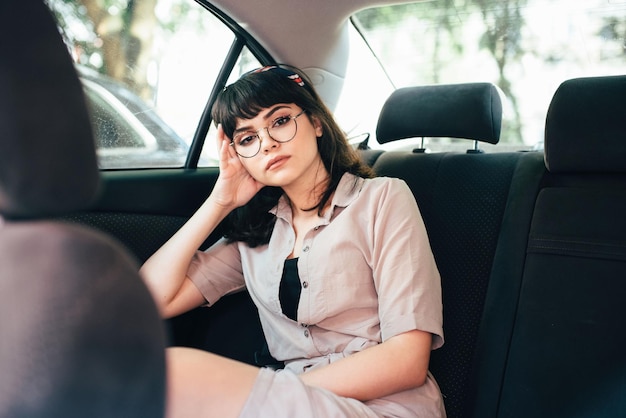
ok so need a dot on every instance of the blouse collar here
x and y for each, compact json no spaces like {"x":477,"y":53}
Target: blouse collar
{"x":347,"y":191}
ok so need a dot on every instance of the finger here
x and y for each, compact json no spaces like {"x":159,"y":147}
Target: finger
{"x":223,"y":144}
{"x":231,"y":151}
{"x":224,"y":155}
{"x":221,"y":137}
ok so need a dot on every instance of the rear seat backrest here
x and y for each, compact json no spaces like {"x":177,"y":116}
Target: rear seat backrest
{"x":462,"y":198}
{"x":567,"y":351}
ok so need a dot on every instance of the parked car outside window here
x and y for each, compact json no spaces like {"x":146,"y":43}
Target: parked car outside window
{"x":148,"y":73}
{"x":128,"y":133}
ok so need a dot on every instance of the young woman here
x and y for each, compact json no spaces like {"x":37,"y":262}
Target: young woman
{"x":338,"y":264}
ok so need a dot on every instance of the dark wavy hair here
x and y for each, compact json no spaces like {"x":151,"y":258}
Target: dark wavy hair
{"x":244,"y":99}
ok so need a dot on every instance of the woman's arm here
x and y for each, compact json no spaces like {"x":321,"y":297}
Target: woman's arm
{"x":165,"y":272}
{"x":397,"y":364}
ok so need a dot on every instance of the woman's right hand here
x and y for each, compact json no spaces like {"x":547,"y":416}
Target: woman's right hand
{"x":234,"y":186}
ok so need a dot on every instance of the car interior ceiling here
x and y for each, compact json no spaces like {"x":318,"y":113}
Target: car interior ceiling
{"x":321,"y":24}
{"x":530,"y":247}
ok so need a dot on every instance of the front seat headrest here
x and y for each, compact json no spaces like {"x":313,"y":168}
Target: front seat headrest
{"x":47,"y":154}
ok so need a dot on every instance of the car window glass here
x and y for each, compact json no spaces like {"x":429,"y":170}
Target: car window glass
{"x":525,"y":47}
{"x":148,"y":69}
{"x":113,"y":134}
{"x":365,"y":89}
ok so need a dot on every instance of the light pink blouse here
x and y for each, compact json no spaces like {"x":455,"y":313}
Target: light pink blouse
{"x":367,"y":274}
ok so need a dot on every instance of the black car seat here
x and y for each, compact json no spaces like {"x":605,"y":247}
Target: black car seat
{"x":565,"y":354}
{"x":79,"y":333}
{"x":463,"y":198}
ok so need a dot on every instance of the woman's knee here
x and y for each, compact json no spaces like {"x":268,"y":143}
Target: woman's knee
{"x":204,"y":384}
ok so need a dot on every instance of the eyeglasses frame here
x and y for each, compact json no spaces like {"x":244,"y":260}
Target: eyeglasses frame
{"x":266,"y":128}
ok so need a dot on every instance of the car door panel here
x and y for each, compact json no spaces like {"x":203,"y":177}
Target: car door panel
{"x":144,"y":208}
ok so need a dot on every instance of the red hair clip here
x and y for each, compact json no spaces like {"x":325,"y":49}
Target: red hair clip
{"x":289,"y":74}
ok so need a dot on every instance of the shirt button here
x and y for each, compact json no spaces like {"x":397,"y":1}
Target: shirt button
{"x":316,"y":228}
{"x":305,"y":249}
{"x":305,"y":284}
{"x":306,"y":333}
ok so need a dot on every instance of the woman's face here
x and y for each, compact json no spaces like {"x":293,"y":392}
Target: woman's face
{"x":282,"y":164}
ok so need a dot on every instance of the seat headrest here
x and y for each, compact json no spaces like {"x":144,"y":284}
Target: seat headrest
{"x":468,"y":111}
{"x":47,"y":155}
{"x":586,"y":126}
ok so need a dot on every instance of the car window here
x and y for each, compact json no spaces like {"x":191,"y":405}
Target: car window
{"x":525,"y":47}
{"x":364,"y":92}
{"x":148,"y":69}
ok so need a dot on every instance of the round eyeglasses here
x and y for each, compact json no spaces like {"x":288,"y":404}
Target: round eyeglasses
{"x":282,"y":129}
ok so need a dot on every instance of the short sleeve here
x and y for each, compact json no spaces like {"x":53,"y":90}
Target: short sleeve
{"x":405,"y":274}
{"x":217,"y":271}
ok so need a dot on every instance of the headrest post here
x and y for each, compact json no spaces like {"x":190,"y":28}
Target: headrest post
{"x":421,"y":149}
{"x":476,"y":149}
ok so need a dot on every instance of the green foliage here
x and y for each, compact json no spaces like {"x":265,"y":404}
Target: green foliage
{"x":614,"y":30}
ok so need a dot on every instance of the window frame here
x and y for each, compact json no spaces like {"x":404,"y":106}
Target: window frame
{"x":242,"y":40}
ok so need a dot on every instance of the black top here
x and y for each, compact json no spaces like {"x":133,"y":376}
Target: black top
{"x":289,"y":293}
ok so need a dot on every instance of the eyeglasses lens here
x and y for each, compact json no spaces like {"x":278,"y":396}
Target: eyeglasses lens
{"x":283,"y":129}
